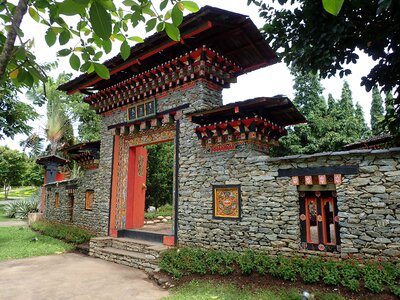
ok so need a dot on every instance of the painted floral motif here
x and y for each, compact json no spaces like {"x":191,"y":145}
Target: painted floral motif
{"x":321,"y":247}
{"x":140,"y":165}
{"x":226,"y":202}
{"x":302,"y":217}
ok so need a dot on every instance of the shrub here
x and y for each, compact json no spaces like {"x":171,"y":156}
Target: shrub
{"x":171,"y":263}
{"x":285,"y":268}
{"x":373,"y":278}
{"x":331,"y":273}
{"x":247,"y":262}
{"x":221,"y":262}
{"x":348,"y":273}
{"x":21,"y":208}
{"x":262,"y":263}
{"x":68,"y":233}
{"x":311,"y":270}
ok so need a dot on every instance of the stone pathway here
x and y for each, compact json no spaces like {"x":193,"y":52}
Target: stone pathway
{"x":74,"y":276}
{"x":13,"y":223}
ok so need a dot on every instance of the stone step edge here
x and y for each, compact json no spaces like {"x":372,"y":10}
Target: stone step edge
{"x":146,"y":244}
{"x":131,"y":254}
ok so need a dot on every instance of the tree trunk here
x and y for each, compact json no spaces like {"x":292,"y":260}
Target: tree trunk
{"x":16,"y":20}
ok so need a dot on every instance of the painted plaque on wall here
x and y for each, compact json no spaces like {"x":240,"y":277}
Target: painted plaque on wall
{"x":226,"y":202}
{"x":141,"y":110}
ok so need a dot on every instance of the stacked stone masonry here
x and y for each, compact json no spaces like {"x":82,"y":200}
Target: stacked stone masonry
{"x":95,"y":219}
{"x":368,"y":202}
{"x":133,"y":253}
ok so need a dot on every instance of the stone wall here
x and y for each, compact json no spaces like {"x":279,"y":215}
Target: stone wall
{"x":96,"y":219}
{"x":368,"y":203}
{"x":200,"y":95}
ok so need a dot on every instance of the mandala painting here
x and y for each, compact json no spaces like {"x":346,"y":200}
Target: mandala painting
{"x":226,"y":203}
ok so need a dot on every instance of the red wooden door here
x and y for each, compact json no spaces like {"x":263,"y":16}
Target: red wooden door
{"x":136,"y":187}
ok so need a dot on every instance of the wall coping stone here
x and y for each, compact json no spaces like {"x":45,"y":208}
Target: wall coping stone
{"x":338,"y":153}
{"x":63,"y":182}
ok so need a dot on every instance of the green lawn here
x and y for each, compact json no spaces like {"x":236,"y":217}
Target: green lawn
{"x":16,"y":242}
{"x":19,"y":192}
{"x":203,"y":290}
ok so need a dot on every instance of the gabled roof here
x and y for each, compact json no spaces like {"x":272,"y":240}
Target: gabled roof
{"x":44,"y":160}
{"x":231,"y":34}
{"x":373,"y":142}
{"x":83,"y":147}
{"x":277,"y":109}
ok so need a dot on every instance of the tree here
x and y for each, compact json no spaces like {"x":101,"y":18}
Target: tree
{"x":309,"y":100}
{"x":58,"y":129}
{"x":16,"y":169}
{"x":310,"y":39}
{"x":376,"y":112}
{"x":160,"y":162}
{"x":89,"y":123}
{"x":85,"y":28}
{"x":14,"y":114}
{"x":33,"y":142}
{"x":364,"y":131}
{"x":12,"y":166}
{"x":330,"y":127}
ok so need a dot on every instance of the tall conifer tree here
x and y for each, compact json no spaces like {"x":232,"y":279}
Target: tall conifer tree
{"x":377,"y":112}
{"x":329,"y":127}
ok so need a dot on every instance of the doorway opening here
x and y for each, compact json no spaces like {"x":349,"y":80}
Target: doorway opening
{"x":150,"y":194}
{"x":159,"y":187}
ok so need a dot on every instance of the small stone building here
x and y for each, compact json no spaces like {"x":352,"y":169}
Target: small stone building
{"x":228,"y":192}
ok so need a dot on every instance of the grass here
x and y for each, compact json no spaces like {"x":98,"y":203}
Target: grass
{"x":205,"y":290}
{"x":19,"y":192}
{"x":68,"y":233}
{"x":165,"y":210}
{"x":3,"y":216}
{"x":17,"y":242}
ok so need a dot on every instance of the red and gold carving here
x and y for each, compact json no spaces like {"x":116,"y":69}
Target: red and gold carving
{"x":295,"y":180}
{"x":141,"y":165}
{"x":337,"y":179}
{"x":308,"y":180}
{"x":226,"y":202}
{"x":210,"y":66}
{"x":322,"y":179}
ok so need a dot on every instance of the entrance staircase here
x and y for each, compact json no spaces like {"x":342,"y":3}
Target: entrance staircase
{"x":140,"y":254}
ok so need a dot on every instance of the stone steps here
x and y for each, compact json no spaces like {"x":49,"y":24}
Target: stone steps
{"x":139,"y":254}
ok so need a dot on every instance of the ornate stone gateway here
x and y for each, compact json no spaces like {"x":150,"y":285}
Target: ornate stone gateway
{"x":128,"y":205}
{"x":228,"y":192}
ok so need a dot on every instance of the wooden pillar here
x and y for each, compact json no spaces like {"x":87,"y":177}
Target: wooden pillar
{"x":113,"y":231}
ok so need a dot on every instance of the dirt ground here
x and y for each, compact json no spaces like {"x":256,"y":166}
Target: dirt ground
{"x":74,"y":276}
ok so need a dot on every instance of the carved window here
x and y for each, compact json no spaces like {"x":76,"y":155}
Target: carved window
{"x":319,"y":222}
{"x":89,"y":200}
{"x":57,"y":200}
